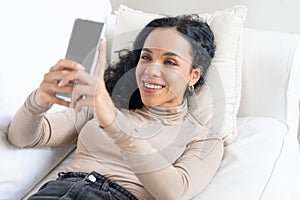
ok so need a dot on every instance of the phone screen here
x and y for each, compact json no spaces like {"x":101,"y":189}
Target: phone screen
{"x":84,"y":42}
{"x":83,"y":46}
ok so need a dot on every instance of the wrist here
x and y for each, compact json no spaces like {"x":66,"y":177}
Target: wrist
{"x":104,"y":110}
{"x":32,"y":108}
{"x":38,"y":102}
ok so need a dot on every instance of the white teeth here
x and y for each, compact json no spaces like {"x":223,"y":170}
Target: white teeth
{"x":151,"y":86}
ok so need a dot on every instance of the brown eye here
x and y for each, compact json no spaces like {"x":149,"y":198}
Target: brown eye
{"x":170,"y":62}
{"x":145,"y":58}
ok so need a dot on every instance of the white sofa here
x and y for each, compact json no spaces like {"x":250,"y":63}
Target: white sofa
{"x":263,"y":163}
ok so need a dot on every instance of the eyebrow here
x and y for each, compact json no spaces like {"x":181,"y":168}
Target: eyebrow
{"x":165,"y":54}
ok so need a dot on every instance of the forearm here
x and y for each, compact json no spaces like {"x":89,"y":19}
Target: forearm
{"x":27,"y":123}
{"x":104,"y":107}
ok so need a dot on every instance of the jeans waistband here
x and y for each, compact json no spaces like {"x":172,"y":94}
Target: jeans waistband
{"x":97,"y":178}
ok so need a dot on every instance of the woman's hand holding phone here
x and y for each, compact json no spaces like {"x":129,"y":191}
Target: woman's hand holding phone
{"x":87,"y":90}
{"x":68,"y":77}
{"x":51,"y":83}
{"x":90,"y":90}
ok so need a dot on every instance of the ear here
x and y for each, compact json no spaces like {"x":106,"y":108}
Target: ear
{"x":195,"y":75}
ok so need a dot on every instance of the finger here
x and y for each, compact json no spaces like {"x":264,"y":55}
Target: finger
{"x":65,"y":89}
{"x":77,"y":77}
{"x":52,"y":69}
{"x":101,"y":62}
{"x":80,"y":91}
{"x":50,"y":89}
{"x":69,"y":77}
{"x":64,"y":64}
{"x":83,"y":102}
{"x":60,"y":101}
{"x":49,"y":97}
{"x":55,"y":76}
{"x":85,"y":78}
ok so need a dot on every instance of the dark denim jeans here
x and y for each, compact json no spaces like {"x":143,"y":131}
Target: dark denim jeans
{"x":82,"y":186}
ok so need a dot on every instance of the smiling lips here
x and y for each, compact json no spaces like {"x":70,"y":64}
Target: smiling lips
{"x":152,"y":87}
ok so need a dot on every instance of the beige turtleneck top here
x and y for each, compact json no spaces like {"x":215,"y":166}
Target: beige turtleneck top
{"x":153,"y":152}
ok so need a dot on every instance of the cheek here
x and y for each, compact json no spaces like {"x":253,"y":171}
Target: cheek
{"x":140,"y":71}
{"x":177,"y":81}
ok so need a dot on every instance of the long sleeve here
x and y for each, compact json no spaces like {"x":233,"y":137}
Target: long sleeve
{"x":189,"y":175}
{"x":178,"y":170}
{"x":33,"y":126}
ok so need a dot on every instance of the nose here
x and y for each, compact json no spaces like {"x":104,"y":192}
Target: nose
{"x":153,"y":70}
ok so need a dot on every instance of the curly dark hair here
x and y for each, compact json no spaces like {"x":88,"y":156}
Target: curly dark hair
{"x":120,"y":77}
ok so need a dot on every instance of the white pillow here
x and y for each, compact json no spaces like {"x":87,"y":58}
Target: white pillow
{"x":129,"y":23}
{"x":217,"y":103}
{"x":34,"y":36}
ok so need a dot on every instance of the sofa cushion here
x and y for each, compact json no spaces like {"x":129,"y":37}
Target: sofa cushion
{"x":217,"y":103}
{"x":21,"y":169}
{"x":263,"y":163}
{"x":272,"y":59}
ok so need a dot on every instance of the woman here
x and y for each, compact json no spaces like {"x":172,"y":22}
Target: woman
{"x":135,"y":137}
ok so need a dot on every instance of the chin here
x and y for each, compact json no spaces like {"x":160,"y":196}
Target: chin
{"x":148,"y":102}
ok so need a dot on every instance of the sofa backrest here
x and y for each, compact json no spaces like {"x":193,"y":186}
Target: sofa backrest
{"x":270,"y":76}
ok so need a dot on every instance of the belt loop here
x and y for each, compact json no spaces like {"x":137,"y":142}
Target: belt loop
{"x":105,"y":186}
{"x":61,"y":174}
{"x":103,"y":182}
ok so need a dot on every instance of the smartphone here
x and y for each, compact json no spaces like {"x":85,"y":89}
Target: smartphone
{"x":83,"y":46}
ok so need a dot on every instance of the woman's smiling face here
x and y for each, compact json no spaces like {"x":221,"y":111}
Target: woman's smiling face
{"x":164,"y":70}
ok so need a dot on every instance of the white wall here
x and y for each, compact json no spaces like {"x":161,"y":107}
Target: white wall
{"x":280,"y":15}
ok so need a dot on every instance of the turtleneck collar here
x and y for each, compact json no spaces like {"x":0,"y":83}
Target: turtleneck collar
{"x":171,"y":114}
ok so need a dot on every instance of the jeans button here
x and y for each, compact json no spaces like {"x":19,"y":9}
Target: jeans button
{"x":92,"y":178}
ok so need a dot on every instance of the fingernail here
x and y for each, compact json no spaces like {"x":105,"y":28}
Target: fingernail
{"x":101,"y":42}
{"x":103,"y":39}
{"x":60,"y":83}
{"x":80,"y":67}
